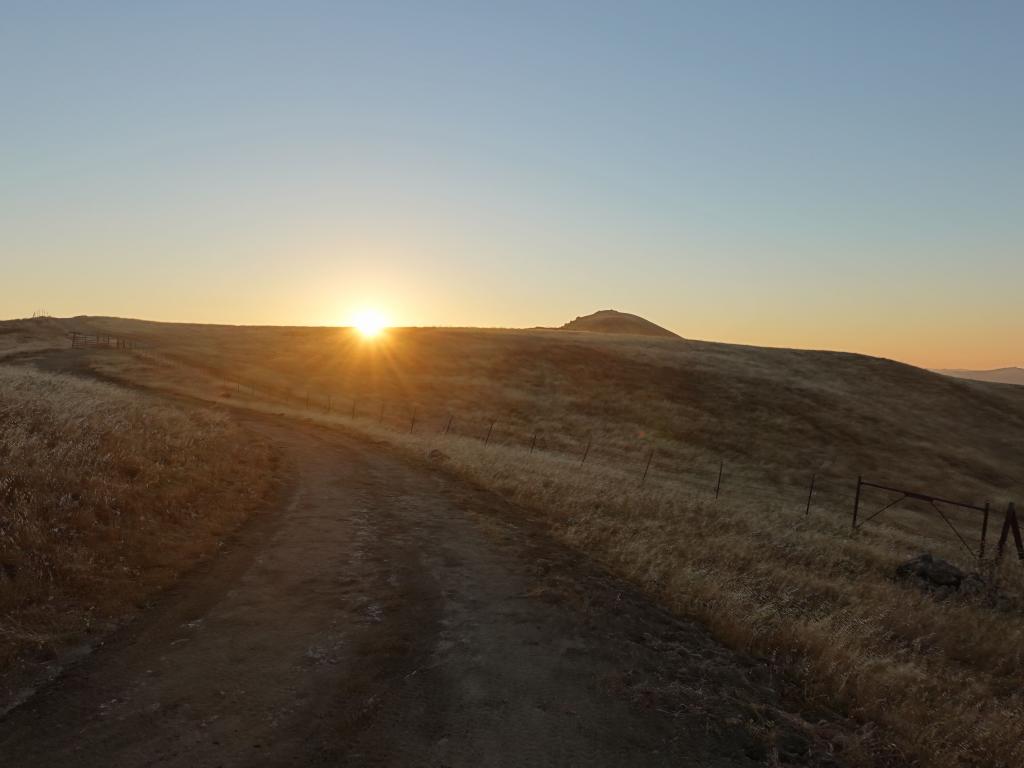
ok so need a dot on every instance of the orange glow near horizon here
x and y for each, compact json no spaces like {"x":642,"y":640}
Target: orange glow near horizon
{"x":478,"y":187}
{"x":369,"y":323}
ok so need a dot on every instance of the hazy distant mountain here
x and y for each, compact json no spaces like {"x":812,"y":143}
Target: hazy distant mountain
{"x":999,"y":375}
{"x":611,"y":321}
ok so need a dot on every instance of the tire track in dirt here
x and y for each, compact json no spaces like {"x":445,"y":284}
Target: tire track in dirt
{"x":388,"y":614}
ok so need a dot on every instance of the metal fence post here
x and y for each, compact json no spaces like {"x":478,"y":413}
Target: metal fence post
{"x":533,"y":443}
{"x":984,"y":532}
{"x":647,"y":466}
{"x":810,"y":493}
{"x":489,"y":430}
{"x":448,"y":426}
{"x":718,"y":485}
{"x":1010,"y":524}
{"x":586,"y":452}
{"x":856,"y":502}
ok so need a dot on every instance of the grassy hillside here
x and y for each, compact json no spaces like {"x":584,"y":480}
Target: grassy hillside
{"x":32,"y":335}
{"x":942,"y":678}
{"x":106,"y":495}
{"x":786,"y":412}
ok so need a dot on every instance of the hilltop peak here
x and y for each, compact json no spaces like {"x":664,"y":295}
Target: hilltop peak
{"x":613,"y":321}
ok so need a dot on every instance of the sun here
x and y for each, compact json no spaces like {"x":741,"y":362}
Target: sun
{"x":369,"y":323}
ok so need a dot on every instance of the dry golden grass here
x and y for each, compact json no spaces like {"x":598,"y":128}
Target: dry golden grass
{"x":33,"y":335}
{"x":106,"y":495}
{"x":775,"y":414}
{"x":943,"y":679}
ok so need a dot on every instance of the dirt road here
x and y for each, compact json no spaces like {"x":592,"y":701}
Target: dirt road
{"x":391,"y":615}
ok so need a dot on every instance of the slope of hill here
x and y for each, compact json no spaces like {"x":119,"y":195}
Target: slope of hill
{"x":32,"y":335}
{"x":563,"y":424}
{"x":612,"y":321}
{"x":105,"y":496}
{"x":786,"y":411}
{"x":996,"y":375}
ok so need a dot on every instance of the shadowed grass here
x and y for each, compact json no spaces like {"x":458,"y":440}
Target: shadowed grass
{"x":106,"y":495}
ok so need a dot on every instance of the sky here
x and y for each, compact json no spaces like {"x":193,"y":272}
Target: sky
{"x":800,"y":174}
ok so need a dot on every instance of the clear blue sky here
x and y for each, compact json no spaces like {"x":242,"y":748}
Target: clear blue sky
{"x":838,"y":175}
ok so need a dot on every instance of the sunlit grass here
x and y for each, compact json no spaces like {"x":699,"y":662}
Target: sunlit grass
{"x":943,"y":679}
{"x":105,"y":495}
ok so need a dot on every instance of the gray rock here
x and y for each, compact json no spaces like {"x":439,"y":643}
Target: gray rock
{"x":944,"y":580}
{"x":931,"y":572}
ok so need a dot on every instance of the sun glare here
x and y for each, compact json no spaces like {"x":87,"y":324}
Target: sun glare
{"x":369,"y":323}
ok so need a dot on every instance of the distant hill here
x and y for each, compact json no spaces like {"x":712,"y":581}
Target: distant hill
{"x":611,"y":321}
{"x":997,"y":375}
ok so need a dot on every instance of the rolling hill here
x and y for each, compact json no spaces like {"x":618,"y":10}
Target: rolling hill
{"x":781,"y":412}
{"x":563,"y":423}
{"x":612,"y":321}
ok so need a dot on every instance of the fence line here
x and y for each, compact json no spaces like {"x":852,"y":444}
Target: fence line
{"x":717,"y":478}
{"x":94,"y":340}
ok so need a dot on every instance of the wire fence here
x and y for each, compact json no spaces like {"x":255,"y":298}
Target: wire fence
{"x":94,"y":340}
{"x":642,"y":463}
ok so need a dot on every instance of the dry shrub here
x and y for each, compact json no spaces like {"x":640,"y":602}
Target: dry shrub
{"x":105,"y":495}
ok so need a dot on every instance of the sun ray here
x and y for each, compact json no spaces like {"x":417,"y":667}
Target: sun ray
{"x":369,"y":323}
